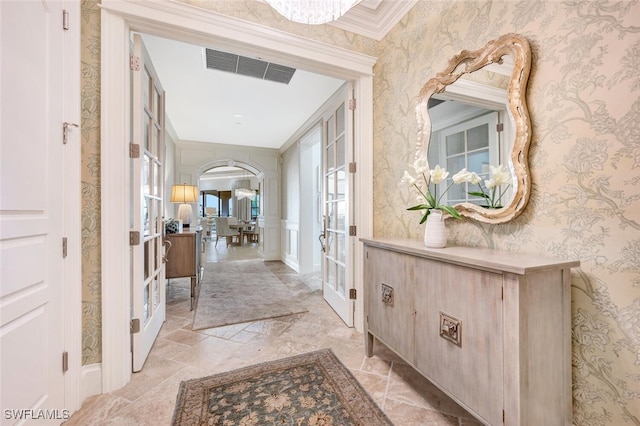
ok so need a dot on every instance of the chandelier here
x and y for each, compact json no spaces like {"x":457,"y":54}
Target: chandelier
{"x":312,"y":11}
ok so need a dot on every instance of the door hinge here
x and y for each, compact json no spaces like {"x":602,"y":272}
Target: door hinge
{"x":65,"y":361}
{"x":352,"y":167}
{"x":134,"y":63}
{"x":64,"y":247}
{"x":352,"y":104}
{"x":499,"y":127}
{"x":352,"y":293}
{"x":352,"y":230}
{"x":65,"y":20}
{"x":134,"y":238}
{"x":65,"y":131}
{"x":134,"y":150}
{"x":134,"y":326}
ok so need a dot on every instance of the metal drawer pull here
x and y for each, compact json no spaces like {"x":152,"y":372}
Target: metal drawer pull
{"x":451,"y":329}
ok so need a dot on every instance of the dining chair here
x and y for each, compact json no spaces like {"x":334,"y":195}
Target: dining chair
{"x":223,"y":230}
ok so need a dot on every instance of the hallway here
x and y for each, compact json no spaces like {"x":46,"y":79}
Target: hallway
{"x":181,"y":354}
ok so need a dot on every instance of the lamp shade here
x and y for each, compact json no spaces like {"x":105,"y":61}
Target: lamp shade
{"x":184,"y":193}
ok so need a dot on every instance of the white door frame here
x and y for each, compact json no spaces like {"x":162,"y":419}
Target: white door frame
{"x":188,"y":24}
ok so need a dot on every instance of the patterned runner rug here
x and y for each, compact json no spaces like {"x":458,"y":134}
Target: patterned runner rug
{"x":309,"y":389}
{"x":238,"y":291}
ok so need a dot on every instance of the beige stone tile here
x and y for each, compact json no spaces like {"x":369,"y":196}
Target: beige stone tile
{"x":375,"y":385}
{"x":209,"y":353}
{"x":186,"y":337}
{"x":272,"y":327}
{"x":96,"y":409}
{"x":168,"y":349}
{"x":154,"y":372}
{"x":243,"y":336}
{"x":410,"y":415}
{"x":407,"y":385}
{"x":225,"y":332}
{"x":173,"y":323}
{"x":156,"y":406}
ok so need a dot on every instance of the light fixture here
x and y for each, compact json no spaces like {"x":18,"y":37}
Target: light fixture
{"x":184,"y":194}
{"x":245,"y":193}
{"x":312,"y":11}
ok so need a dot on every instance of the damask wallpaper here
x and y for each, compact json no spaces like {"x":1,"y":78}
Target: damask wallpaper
{"x":584,"y":156}
{"x":585,"y":162}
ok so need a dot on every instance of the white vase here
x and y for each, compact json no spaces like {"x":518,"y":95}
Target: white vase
{"x":435,"y":233}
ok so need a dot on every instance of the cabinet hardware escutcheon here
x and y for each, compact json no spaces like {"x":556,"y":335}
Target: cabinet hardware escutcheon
{"x":451,"y":329}
{"x":387,"y":294}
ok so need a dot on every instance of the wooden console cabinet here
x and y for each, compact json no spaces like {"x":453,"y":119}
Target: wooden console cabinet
{"x":183,"y":259}
{"x":491,"y":329}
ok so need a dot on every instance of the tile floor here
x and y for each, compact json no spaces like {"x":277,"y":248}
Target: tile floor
{"x":181,"y":354}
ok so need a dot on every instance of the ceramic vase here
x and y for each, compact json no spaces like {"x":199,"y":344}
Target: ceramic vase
{"x":435,"y":233}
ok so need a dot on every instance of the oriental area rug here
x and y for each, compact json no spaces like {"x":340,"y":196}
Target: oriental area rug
{"x":310,"y":389}
{"x":238,"y":291}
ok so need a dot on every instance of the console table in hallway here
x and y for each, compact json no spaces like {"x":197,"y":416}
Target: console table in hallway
{"x":183,"y":258}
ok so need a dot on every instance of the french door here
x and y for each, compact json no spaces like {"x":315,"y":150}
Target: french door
{"x":337,"y":151}
{"x":147,"y":204}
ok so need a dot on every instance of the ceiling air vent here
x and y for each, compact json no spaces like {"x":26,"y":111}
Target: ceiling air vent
{"x":242,"y":65}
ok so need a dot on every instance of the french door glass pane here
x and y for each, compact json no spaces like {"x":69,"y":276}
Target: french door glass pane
{"x":478,"y":137}
{"x":340,"y":119}
{"x":146,"y":259}
{"x":331,"y":187}
{"x":331,"y":130}
{"x":341,"y":242}
{"x":455,"y":143}
{"x":146,"y":165}
{"x":330,"y":157}
{"x":145,"y":299}
{"x":340,"y":151}
{"x":156,"y":293}
{"x":341,"y":184}
{"x":340,"y":279}
{"x":146,"y":131}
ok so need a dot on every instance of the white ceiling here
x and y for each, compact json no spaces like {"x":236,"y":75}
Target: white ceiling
{"x":215,"y":106}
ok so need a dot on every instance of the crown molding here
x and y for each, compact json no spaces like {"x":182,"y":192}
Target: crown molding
{"x":374,"y":18}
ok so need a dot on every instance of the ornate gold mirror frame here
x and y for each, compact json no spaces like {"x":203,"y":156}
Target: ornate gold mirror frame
{"x":467,"y":62}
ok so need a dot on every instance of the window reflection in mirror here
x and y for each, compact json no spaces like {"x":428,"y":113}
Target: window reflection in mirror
{"x":473,"y":129}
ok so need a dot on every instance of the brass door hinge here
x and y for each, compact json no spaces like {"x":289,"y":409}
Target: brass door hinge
{"x":134,"y":63}
{"x":352,"y":293}
{"x":352,"y":230}
{"x":500,"y":127}
{"x":352,"y":167}
{"x":134,"y":150}
{"x":134,"y":326}
{"x":134,"y":238}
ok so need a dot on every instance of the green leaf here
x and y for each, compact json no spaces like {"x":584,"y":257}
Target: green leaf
{"x":424,"y":218}
{"x":450,"y":210}
{"x":479,"y":194}
{"x":430,"y":199}
{"x":419,"y":207}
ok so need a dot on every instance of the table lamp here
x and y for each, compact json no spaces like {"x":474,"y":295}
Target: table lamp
{"x":184,"y":194}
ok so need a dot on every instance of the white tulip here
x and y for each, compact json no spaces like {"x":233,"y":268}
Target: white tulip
{"x":438,"y":174}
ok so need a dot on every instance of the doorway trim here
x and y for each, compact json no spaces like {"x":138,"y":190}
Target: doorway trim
{"x":188,"y":24}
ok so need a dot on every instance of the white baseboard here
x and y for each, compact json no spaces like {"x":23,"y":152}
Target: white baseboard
{"x":90,"y":380}
{"x":291,"y":262}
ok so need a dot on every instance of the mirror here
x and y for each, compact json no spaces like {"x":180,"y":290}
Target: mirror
{"x":474,"y":115}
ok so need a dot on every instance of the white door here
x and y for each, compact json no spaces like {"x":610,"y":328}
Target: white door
{"x":336,"y":155}
{"x":32,"y":185}
{"x":147,"y":187}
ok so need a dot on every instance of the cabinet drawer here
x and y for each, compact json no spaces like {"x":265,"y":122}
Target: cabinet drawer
{"x":388,"y":314}
{"x":471,"y":369}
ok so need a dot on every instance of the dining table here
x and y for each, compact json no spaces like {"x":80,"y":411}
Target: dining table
{"x":242,"y":226}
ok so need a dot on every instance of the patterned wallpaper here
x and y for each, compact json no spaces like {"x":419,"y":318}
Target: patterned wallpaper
{"x":91,"y":266}
{"x":585,"y":157}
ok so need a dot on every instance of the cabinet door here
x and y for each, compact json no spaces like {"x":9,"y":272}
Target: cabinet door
{"x":391,"y":321}
{"x":473,"y":370}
